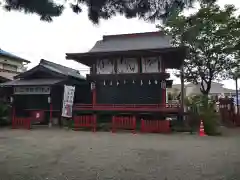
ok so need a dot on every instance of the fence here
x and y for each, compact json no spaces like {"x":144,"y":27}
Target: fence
{"x":155,"y":126}
{"x":227,"y":112}
{"x":124,"y":123}
{"x":85,"y":121}
{"x":21,"y":122}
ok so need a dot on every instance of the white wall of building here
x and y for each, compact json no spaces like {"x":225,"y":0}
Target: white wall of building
{"x":10,"y":67}
{"x":191,"y":89}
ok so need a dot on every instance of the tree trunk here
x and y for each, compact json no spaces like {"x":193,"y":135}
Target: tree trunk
{"x":205,"y":91}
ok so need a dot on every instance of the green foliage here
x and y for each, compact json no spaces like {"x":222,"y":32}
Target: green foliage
{"x":4,"y":114}
{"x":202,"y":108}
{"x":100,"y":9}
{"x":68,"y":123}
{"x":212,"y":35}
{"x":208,"y":115}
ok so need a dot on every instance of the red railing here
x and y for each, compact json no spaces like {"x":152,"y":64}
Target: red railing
{"x":125,"y":123}
{"x":129,"y":107}
{"x":85,"y":121}
{"x":228,"y":112}
{"x":155,"y":126}
{"x":22,"y":122}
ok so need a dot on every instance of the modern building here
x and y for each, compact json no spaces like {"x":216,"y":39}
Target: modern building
{"x":217,"y":89}
{"x":11,"y":65}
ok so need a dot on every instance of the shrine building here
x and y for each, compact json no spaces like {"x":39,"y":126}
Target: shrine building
{"x":128,"y":74}
{"x":37,"y":94}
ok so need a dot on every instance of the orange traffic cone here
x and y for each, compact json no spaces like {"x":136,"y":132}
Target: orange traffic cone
{"x":201,"y":130}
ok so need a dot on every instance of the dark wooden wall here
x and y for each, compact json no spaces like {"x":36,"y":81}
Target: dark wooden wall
{"x":129,"y":94}
{"x":57,"y":97}
{"x":83,"y":94}
{"x":23,"y":102}
{"x":31,"y":101}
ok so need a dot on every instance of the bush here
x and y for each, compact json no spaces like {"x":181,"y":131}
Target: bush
{"x":5,"y":115}
{"x":202,"y":108}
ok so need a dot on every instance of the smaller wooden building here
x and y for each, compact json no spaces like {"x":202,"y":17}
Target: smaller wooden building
{"x":38,"y":92}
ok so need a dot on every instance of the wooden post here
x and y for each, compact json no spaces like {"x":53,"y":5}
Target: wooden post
{"x":134,"y":124}
{"x":13,"y":117}
{"x":50,"y":111}
{"x":163,"y":88}
{"x":94,"y":93}
{"x":13,"y":113}
{"x":94,"y":96}
{"x":142,"y":126}
{"x":164,"y":96}
{"x":113,"y":124}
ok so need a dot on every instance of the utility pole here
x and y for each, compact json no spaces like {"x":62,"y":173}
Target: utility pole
{"x":182,"y":87}
{"x":237,"y":102}
{"x":236,"y":76}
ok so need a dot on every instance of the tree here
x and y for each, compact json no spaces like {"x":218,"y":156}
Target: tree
{"x":97,"y":9}
{"x":212,"y":36}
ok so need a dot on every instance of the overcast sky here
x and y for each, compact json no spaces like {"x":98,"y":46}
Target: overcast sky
{"x":32,"y":39}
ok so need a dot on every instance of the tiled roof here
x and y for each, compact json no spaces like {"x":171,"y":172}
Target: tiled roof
{"x":61,"y":69}
{"x":7,"y":54}
{"x":138,"y":44}
{"x":128,"y":42}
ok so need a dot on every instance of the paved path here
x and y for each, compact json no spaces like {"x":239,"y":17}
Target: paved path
{"x":67,"y":155}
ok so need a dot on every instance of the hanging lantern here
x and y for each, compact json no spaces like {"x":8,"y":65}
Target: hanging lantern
{"x":117,"y":83}
{"x":93,"y":85}
{"x":110,"y":83}
{"x":163,"y":85}
{"x":124,"y":82}
{"x":49,"y":99}
{"x":149,"y":82}
{"x":133,"y":82}
{"x":156,"y":82}
{"x":104,"y":83}
{"x":141,"y":82}
{"x":11,"y":99}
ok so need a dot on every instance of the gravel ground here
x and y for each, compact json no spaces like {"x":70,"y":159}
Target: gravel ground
{"x":66,"y":155}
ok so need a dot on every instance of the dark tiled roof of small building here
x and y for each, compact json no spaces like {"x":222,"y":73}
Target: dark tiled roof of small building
{"x":53,"y":67}
{"x":10,"y":55}
{"x":61,"y":69}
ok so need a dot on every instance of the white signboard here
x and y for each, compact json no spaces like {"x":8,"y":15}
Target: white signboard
{"x":68,"y":98}
{"x":32,"y":90}
{"x":150,"y":65}
{"x":105,"y":66}
{"x":127,"y":65}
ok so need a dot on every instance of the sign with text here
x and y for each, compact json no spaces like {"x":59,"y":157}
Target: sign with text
{"x":32,"y":90}
{"x":68,"y":98}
